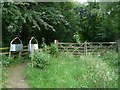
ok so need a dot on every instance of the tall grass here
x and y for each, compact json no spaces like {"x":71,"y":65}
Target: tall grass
{"x":67,"y":71}
{"x":111,"y":58}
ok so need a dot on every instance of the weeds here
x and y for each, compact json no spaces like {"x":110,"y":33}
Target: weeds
{"x":67,"y":71}
{"x":54,"y":50}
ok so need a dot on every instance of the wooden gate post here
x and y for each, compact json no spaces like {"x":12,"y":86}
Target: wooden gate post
{"x":55,"y":41}
{"x":32,"y":56}
{"x":19,"y":55}
{"x":85,"y":48}
{"x":9,"y":54}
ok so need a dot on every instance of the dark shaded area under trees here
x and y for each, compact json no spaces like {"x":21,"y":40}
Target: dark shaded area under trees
{"x":62,"y":21}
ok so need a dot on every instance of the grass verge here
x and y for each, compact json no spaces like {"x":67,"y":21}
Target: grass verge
{"x":67,"y":71}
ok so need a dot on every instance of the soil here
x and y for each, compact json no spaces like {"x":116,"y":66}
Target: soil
{"x":16,"y":77}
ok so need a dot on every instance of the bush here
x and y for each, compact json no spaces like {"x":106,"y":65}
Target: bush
{"x":5,"y":60}
{"x":54,"y":49}
{"x":41,"y":58}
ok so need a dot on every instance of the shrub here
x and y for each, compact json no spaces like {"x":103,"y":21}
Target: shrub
{"x":5,"y":60}
{"x":41,"y":58}
{"x":54,"y":49}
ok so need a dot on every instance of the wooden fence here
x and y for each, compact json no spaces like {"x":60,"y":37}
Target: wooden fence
{"x":75,"y":48}
{"x":5,"y":51}
{"x":86,"y":47}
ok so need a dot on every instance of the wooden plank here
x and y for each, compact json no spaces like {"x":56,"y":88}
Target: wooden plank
{"x":91,"y":43}
{"x":102,"y":42}
{"x":75,"y":50}
{"x":4,"y":48}
{"x":25,"y":53}
{"x":69,"y":43}
{"x":72,"y":47}
{"x":25,"y":46}
{"x":25,"y":49}
{"x":4,"y":53}
{"x":91,"y":47}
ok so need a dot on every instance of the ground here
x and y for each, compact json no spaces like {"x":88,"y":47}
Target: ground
{"x":16,"y":77}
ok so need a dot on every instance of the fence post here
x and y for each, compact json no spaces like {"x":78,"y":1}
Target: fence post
{"x":32,"y":56}
{"x":19,"y":55}
{"x":9,"y":54}
{"x":85,"y":48}
{"x":55,"y":41}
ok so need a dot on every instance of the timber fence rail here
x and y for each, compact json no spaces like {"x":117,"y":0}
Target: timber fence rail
{"x":5,"y":51}
{"x":75,"y":48}
{"x":86,"y":47}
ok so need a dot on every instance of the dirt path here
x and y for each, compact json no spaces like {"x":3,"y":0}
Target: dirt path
{"x":16,"y":77}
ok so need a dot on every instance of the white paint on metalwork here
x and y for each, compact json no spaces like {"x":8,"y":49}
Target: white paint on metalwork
{"x":32,"y":46}
{"x":16,"y":47}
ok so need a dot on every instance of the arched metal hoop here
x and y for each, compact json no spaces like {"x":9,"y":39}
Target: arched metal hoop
{"x":32,"y":46}
{"x":16,"y":47}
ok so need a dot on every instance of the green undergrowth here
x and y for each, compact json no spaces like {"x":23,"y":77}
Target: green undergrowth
{"x":0,"y":75}
{"x":6,"y":63}
{"x":67,"y":71}
{"x":111,"y":58}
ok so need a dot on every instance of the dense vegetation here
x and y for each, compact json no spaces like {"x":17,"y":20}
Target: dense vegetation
{"x":67,"y":71}
{"x":65,"y":21}
{"x":5,"y":64}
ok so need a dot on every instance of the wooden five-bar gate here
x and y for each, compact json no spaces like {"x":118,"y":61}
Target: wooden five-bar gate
{"x":86,"y":47}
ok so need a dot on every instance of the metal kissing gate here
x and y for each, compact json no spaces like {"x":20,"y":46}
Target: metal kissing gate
{"x":32,"y":46}
{"x":16,"y":47}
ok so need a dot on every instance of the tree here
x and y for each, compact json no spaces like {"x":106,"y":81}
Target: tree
{"x":32,"y":16}
{"x":99,"y":21}
{"x":91,"y":21}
